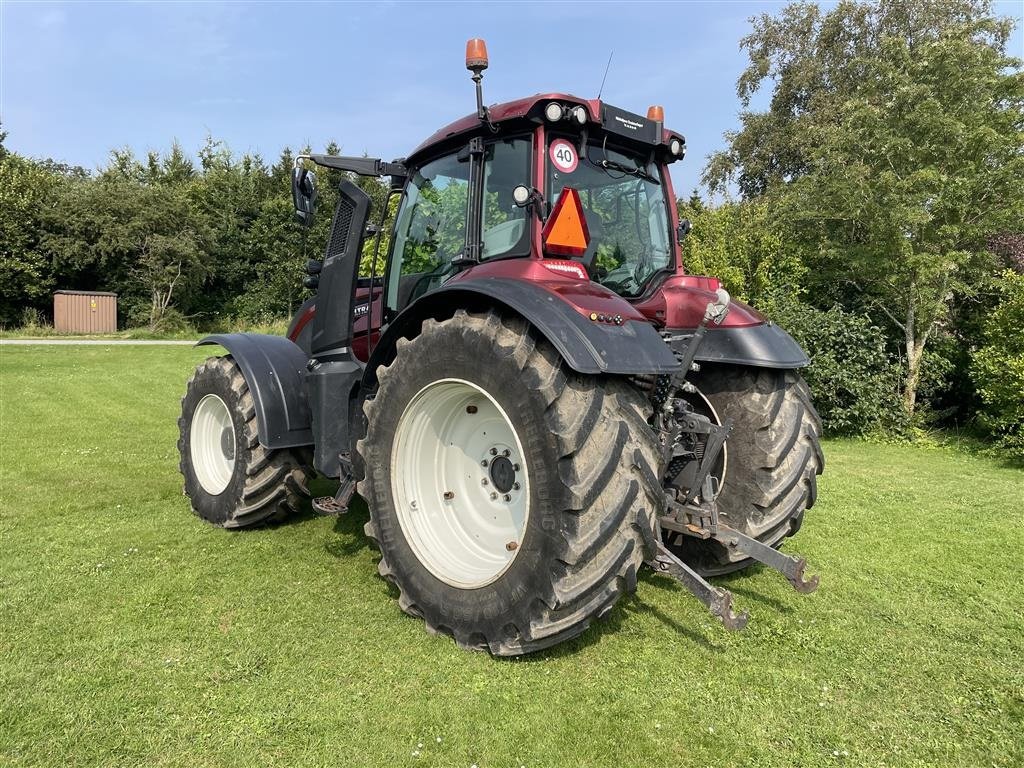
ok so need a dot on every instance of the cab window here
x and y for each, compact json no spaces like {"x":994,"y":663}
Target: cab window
{"x":430,"y":231}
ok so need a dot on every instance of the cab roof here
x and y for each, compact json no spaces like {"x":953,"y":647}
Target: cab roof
{"x":510,"y":111}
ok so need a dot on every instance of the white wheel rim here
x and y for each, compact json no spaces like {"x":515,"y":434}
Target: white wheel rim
{"x":460,"y":483}
{"x":212,"y":444}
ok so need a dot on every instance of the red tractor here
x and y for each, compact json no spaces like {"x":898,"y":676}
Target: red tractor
{"x":534,"y":399}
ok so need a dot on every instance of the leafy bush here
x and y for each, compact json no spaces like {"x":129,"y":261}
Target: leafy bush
{"x":998,"y":367}
{"x":853,"y":379}
{"x":743,"y":245}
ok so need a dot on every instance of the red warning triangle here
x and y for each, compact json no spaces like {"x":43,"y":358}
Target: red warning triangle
{"x":566,"y":233}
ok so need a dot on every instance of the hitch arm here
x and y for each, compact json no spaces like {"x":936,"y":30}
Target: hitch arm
{"x":790,"y":567}
{"x":717,"y":600}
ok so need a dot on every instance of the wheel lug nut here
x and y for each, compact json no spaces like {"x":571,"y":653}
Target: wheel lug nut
{"x":506,"y":452}
{"x":484,"y":481}
{"x":508,"y":497}
{"x":516,"y":486}
{"x":494,"y":451}
{"x":493,"y":496}
{"x":449,"y":495}
{"x":483,"y":463}
{"x":515,"y":467}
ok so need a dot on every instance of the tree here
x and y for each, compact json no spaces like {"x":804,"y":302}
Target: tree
{"x":24,"y":272}
{"x":146,"y":242}
{"x":893,"y":142}
{"x":998,"y":367}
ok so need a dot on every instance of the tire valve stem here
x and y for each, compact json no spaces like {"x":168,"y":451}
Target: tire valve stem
{"x":512,"y":546}
{"x":449,"y":495}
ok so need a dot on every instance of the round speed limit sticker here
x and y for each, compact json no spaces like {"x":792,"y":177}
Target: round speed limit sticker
{"x":563,"y":155}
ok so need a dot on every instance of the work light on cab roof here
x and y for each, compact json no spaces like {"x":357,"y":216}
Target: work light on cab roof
{"x":517,"y":374}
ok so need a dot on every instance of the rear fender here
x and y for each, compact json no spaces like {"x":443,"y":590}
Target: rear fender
{"x":589,"y":347}
{"x":274,"y":368}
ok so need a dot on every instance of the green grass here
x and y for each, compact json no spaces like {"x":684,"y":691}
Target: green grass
{"x":131,"y":633}
{"x":277,"y":327}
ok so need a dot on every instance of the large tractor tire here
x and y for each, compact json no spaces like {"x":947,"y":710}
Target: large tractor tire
{"x":770,"y":463}
{"x":504,"y":490}
{"x":232,"y":480}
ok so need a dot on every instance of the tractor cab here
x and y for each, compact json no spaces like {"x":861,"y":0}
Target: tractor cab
{"x":577,"y":186}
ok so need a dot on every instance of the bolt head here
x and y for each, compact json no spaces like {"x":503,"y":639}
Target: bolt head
{"x":507,"y":497}
{"x":515,"y":467}
{"x":483,"y":481}
{"x":516,"y":486}
{"x":494,"y":451}
{"x":493,"y":496}
{"x":483,"y":463}
{"x":506,"y":452}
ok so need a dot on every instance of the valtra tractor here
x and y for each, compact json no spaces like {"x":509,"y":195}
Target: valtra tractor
{"x":534,"y":398}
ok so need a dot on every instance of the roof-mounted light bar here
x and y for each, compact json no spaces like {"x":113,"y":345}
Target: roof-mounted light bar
{"x":554,"y":112}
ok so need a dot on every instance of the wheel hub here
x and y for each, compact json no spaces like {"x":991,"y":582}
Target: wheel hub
{"x":503,"y":475}
{"x":460,"y":483}
{"x":212,"y":444}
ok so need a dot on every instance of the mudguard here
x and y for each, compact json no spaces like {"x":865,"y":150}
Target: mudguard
{"x":761,"y":346}
{"x":274,"y":368}
{"x":586,"y":346}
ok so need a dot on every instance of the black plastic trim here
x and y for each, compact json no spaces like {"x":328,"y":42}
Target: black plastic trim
{"x":761,"y":346}
{"x":274,"y":369}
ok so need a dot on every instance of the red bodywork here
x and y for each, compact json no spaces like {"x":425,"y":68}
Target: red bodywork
{"x":678,"y":301}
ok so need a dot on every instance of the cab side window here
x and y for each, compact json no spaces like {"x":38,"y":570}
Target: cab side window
{"x":431,"y":227}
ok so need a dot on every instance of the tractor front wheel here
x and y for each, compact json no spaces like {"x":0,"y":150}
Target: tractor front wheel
{"x":232,"y":480}
{"x":505,"y":490}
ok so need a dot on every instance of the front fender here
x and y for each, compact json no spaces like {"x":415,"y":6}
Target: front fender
{"x":589,"y":347}
{"x":274,"y":368}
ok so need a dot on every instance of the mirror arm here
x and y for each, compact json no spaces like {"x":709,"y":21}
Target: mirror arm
{"x":363,"y":166}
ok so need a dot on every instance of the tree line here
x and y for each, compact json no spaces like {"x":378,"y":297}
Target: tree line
{"x":182,"y":242}
{"x":874,"y":209}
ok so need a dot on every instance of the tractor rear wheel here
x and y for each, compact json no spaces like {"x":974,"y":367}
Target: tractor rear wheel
{"x":232,"y":480}
{"x":771,"y":460}
{"x":505,"y":490}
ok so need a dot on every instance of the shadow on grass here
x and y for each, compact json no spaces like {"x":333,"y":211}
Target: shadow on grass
{"x":350,"y":540}
{"x":737,"y":584}
{"x":616,"y":619}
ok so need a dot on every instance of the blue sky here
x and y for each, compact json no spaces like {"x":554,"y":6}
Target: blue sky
{"x":78,"y":79}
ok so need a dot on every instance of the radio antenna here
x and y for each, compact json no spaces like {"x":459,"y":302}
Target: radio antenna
{"x":606,"y":68}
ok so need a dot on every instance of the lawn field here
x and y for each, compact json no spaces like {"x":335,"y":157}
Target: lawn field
{"x":131,"y":633}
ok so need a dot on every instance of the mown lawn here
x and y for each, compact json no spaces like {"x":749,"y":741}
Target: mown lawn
{"x":131,"y":633}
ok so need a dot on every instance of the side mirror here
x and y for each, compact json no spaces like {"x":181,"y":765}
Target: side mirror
{"x":304,"y":195}
{"x":684,"y":228}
